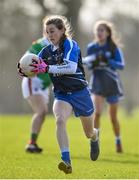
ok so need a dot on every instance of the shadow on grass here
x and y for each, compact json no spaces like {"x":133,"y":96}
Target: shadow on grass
{"x":123,"y":161}
{"x":119,"y":161}
{"x":80,"y":157}
{"x":132,"y":155}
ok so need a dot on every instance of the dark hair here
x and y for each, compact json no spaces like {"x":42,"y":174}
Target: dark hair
{"x":112,"y":38}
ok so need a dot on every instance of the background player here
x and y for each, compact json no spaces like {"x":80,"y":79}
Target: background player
{"x":104,"y":58}
{"x":35,"y":91}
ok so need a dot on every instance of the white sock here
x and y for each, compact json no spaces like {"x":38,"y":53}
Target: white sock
{"x":117,"y":140}
{"x":96,"y":132}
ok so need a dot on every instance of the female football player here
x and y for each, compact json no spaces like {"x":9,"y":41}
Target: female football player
{"x":35,"y":91}
{"x":104,"y":58}
{"x":62,"y":60}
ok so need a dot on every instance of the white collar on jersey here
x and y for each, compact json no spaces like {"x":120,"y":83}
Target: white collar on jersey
{"x":54,"y":47}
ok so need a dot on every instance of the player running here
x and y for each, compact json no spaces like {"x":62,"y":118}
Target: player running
{"x":36,"y":91}
{"x":104,"y":58}
{"x":62,"y":60}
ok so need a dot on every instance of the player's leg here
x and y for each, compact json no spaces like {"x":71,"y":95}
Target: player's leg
{"x":37,"y":99}
{"x":92,"y":134}
{"x":84,"y":108}
{"x":62,"y":110}
{"x":98,"y":101}
{"x":40,"y":109}
{"x":113,"y":109}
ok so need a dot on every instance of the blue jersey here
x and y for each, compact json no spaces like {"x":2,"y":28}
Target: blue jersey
{"x":106,"y":56}
{"x":68,"y":51}
{"x":105,"y":80}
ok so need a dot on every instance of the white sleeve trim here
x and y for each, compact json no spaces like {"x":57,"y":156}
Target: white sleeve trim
{"x":71,"y":47}
{"x":69,"y":67}
{"x":89,"y":59}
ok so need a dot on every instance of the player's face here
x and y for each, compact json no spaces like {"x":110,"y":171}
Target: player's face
{"x":101,"y":33}
{"x":54,"y":34}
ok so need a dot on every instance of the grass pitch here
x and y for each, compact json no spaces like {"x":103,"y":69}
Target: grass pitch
{"x":15,"y":163}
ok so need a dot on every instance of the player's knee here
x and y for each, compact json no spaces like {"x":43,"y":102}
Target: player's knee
{"x":60,"y":121}
{"x":41,"y":114}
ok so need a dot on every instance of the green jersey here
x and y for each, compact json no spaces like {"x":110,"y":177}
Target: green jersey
{"x":35,"y":48}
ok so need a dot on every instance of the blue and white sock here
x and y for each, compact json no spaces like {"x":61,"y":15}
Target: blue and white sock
{"x":118,"y":140}
{"x":65,"y":155}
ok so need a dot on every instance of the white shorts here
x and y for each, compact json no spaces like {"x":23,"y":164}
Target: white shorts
{"x":34,"y":86}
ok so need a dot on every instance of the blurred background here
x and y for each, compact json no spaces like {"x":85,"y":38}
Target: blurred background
{"x":21,"y":23}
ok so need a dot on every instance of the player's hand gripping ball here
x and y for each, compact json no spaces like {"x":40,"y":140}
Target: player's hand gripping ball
{"x":25,"y":65}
